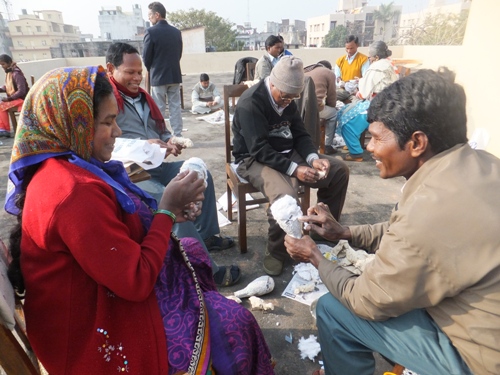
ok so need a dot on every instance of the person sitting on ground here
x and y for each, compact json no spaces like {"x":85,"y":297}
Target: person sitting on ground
{"x":274,"y":151}
{"x":326,"y":94}
{"x":274,"y":47}
{"x":16,"y":89}
{"x":139,"y":118}
{"x":429,"y":300}
{"x":352,"y":118}
{"x":106,"y":285}
{"x":350,"y":67}
{"x":205,"y":96}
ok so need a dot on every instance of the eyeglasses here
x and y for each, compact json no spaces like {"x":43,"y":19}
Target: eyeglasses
{"x":285,"y":99}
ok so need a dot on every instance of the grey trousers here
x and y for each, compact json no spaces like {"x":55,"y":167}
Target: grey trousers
{"x":330,"y":115}
{"x":274,"y":185}
{"x":172,"y":92}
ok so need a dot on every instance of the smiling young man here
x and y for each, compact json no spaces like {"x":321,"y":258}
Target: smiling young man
{"x":430,"y":299}
{"x":274,"y":150}
{"x":140,"y":118}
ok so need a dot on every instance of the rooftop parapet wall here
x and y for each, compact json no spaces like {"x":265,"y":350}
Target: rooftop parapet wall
{"x":479,"y":89}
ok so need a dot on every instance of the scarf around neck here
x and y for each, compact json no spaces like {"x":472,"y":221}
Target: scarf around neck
{"x":155,"y":111}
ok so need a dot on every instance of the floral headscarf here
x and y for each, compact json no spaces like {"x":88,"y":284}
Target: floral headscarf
{"x":58,"y":119}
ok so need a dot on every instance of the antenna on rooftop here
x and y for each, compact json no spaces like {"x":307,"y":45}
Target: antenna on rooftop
{"x":8,"y":9}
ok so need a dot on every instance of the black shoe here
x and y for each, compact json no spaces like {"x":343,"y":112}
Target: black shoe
{"x":216,"y":243}
{"x":329,"y":150}
{"x":4,"y":134}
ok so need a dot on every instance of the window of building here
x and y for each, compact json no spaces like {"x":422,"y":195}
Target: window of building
{"x":20,"y":43}
{"x":44,"y":42}
{"x":18,"y":29}
{"x":50,"y":16}
{"x":39,"y":29}
{"x":322,"y":27}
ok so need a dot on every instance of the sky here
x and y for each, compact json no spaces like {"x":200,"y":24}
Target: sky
{"x":236,"y":11}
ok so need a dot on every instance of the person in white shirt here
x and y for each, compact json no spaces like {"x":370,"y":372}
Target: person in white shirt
{"x":205,"y":96}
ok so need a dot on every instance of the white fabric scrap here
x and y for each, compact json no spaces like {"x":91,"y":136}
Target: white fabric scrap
{"x":353,"y":260}
{"x":181,"y":141}
{"x":259,"y":304}
{"x":309,"y":347}
{"x":286,"y":212}
{"x":307,"y":271}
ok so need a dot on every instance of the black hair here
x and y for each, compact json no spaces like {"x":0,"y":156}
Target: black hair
{"x":326,"y":64}
{"x":204,"y":77}
{"x":6,"y":59}
{"x":102,"y":89}
{"x":272,"y":40}
{"x":352,"y":38}
{"x":426,"y":101}
{"x":157,"y":7}
{"x":115,"y":52}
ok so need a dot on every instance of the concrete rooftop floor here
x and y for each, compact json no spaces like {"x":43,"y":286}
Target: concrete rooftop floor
{"x":369,"y":200}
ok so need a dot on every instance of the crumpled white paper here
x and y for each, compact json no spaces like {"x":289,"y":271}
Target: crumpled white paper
{"x":141,"y":152}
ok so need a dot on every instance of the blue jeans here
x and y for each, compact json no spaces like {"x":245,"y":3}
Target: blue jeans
{"x":413,"y":340}
{"x":172,"y":92}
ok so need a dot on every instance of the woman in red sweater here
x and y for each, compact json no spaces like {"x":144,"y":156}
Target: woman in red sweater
{"x":107,"y":288}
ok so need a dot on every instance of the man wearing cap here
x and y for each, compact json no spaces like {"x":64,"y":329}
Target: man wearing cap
{"x":274,"y":151}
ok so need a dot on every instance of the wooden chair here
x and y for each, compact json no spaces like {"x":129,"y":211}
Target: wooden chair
{"x":15,"y":360}
{"x":237,"y":185}
{"x":16,"y":355}
{"x":322,"y":132}
{"x":250,"y":67}
{"x":13,"y":112}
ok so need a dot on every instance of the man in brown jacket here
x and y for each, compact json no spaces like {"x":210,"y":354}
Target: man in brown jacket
{"x":326,"y":94}
{"x":430,"y":299}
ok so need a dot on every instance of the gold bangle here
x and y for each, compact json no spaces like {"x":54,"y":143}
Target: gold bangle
{"x":166,"y":212}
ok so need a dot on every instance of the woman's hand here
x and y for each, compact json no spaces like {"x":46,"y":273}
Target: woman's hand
{"x":182,"y":191}
{"x":320,"y":220}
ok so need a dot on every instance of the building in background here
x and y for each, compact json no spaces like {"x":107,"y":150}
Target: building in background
{"x":33,"y":35}
{"x":5,"y":40}
{"x":115,"y":24}
{"x":360,"y":20}
{"x":292,"y":31}
{"x":415,"y":19}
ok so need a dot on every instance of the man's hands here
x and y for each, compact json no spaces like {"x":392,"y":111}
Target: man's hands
{"x":303,"y":250}
{"x":172,"y":149}
{"x":320,"y":220}
{"x":181,"y":194}
{"x":319,"y":170}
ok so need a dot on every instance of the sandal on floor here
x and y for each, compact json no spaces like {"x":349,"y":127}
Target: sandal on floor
{"x":350,"y":157}
{"x":319,"y":372}
{"x":227,"y":276}
{"x":217,"y":243}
